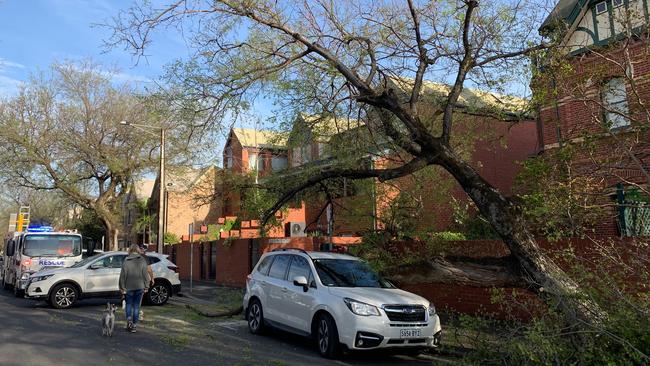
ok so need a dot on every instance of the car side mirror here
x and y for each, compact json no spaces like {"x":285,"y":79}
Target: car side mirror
{"x":95,"y":266}
{"x":301,"y":281}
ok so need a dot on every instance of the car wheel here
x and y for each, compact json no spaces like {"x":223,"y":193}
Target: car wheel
{"x":158,"y":294}
{"x":255,"y":317}
{"x":64,"y":296}
{"x":327,"y":337}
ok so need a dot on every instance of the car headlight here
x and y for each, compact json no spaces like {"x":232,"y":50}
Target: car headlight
{"x":25,"y":276}
{"x":432,"y":310}
{"x":41,"y":278}
{"x":361,"y":308}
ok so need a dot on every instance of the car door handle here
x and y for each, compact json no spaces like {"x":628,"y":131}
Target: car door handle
{"x":284,"y":289}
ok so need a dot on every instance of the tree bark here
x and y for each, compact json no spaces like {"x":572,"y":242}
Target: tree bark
{"x":545,"y":277}
{"x":111,"y":234}
{"x":483,"y":272}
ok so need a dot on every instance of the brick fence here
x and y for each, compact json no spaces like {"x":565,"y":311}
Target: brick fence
{"x":232,"y":261}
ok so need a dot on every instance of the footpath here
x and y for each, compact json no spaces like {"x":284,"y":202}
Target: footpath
{"x":209,"y":299}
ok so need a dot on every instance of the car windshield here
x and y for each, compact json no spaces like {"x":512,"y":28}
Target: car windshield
{"x":86,"y":261}
{"x":348,"y":273}
{"x":52,"y":245}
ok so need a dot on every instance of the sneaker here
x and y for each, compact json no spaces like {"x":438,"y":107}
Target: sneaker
{"x":132,"y":328}
{"x":129,"y":325}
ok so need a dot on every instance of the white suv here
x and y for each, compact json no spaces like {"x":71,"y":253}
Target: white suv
{"x":338,"y":300}
{"x":98,"y":276}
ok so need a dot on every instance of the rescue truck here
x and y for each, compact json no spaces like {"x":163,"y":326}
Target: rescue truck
{"x":37,"y":249}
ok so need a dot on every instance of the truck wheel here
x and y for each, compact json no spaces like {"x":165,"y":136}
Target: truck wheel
{"x":5,"y":285}
{"x":63,"y":296}
{"x":18,"y":292}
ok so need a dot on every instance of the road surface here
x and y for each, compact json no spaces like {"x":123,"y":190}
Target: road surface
{"x":31,"y":333}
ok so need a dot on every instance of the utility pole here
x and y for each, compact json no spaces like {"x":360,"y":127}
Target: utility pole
{"x":161,"y":194}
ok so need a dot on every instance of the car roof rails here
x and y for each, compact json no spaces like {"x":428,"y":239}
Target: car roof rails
{"x":287,"y":249}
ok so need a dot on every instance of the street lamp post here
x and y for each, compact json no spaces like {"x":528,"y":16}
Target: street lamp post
{"x":161,"y":187}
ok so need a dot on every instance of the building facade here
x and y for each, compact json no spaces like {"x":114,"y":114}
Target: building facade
{"x":595,"y":93}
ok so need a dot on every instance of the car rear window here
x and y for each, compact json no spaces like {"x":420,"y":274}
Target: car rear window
{"x":264,"y":266}
{"x":152,"y":259}
{"x":279,"y":266}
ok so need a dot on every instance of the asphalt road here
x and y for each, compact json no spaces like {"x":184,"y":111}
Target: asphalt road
{"x":33,"y":334}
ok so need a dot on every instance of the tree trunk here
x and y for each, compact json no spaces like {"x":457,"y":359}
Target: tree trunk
{"x":483,"y":272}
{"x":111,"y":234}
{"x":543,"y":275}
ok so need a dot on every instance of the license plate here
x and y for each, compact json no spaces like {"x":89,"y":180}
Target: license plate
{"x":410,"y":333}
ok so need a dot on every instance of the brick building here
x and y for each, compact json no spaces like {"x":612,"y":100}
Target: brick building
{"x":595,"y":104}
{"x":133,"y":205}
{"x":494,"y":135}
{"x":189,"y":198}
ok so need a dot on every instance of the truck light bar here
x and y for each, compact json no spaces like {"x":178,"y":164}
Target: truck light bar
{"x":40,"y":229}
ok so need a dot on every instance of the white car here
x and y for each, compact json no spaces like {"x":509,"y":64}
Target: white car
{"x":98,"y":276}
{"x":338,"y":300}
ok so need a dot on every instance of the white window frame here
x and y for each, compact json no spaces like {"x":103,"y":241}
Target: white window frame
{"x":615,"y":5}
{"x":615,"y":107}
{"x":255,"y":162}
{"x":228,"y":157}
{"x":597,"y":5}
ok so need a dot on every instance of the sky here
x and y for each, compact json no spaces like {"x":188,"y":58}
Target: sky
{"x":35,"y":33}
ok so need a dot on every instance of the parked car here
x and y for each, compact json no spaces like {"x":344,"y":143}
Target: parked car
{"x":339,"y":301}
{"x":98,"y":276}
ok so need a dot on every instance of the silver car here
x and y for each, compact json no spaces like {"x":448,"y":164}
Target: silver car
{"x":98,"y":276}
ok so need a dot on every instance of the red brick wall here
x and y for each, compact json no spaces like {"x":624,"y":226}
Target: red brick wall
{"x":180,"y":255}
{"x":233,"y":262}
{"x":576,"y":113}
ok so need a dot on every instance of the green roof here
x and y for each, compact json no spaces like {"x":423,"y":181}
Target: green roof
{"x":564,"y":10}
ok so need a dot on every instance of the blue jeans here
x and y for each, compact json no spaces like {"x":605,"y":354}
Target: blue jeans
{"x":133,"y":299}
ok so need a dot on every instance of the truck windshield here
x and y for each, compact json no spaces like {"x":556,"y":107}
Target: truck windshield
{"x":52,"y":245}
{"x":348,"y":273}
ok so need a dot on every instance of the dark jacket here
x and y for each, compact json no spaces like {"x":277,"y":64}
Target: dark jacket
{"x":134,"y":273}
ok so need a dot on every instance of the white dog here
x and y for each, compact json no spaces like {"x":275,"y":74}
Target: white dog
{"x":108,"y":320}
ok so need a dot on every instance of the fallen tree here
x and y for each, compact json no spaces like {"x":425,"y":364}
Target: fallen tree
{"x":344,"y":60}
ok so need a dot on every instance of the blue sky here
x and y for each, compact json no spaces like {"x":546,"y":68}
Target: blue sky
{"x":35,"y":33}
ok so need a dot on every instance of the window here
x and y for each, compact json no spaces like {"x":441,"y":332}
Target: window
{"x":323,"y":151}
{"x":305,"y":153}
{"x":348,"y":273}
{"x":617,"y":3}
{"x":299,"y":267}
{"x":152,"y":259}
{"x":263,"y":268}
{"x":255,"y":161}
{"x":295,"y":157}
{"x":113,"y":261}
{"x":615,"y":104}
{"x":279,"y":266}
{"x":228,"y":157}
{"x":601,"y":7}
{"x":279,"y":163}
{"x":52,"y":245}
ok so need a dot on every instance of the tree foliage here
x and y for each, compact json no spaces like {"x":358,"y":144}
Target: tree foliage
{"x":62,"y":133}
